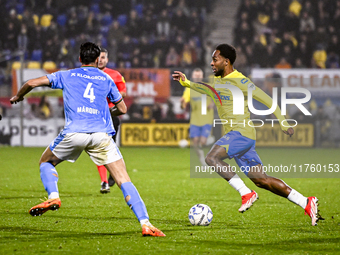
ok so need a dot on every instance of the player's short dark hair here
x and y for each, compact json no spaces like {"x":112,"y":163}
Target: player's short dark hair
{"x":105,"y":51}
{"x":227,"y":51}
{"x":89,"y":52}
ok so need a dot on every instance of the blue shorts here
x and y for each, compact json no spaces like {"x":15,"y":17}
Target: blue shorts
{"x":197,"y":131}
{"x":241,"y":148}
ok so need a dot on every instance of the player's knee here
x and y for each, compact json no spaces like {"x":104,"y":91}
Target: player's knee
{"x":261,"y":182}
{"x":210,"y":160}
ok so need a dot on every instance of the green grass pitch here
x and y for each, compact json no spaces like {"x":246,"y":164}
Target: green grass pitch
{"x":91,"y":223}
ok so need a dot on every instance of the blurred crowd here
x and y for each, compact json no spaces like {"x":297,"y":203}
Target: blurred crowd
{"x":290,"y":34}
{"x":137,"y":33}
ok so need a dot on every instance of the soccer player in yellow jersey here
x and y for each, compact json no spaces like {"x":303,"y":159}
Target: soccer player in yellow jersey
{"x":239,"y":139}
{"x":200,"y":125}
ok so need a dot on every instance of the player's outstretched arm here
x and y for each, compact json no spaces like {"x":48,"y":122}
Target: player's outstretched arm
{"x":264,"y":98}
{"x":119,"y":109}
{"x":28,"y":86}
{"x":181,"y":78}
{"x":290,"y":131}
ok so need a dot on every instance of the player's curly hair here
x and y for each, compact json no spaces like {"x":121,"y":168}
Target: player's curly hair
{"x":89,"y":52}
{"x":227,"y":51}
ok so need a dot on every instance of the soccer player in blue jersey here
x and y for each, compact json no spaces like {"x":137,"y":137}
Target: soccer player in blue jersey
{"x":88,"y":127}
{"x":239,"y":140}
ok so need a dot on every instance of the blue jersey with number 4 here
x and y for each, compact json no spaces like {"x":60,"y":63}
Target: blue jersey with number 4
{"x":84,"y":91}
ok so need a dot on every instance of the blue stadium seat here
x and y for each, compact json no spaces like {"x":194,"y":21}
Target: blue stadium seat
{"x":95,"y":8}
{"x":104,"y":30}
{"x":20,"y":8}
{"x":36,"y":55}
{"x":72,"y":42}
{"x":111,"y":64}
{"x":61,"y":20}
{"x":63,"y":65}
{"x":139,"y":9}
{"x":77,"y":64}
{"x":106,"y":20}
{"x":135,"y":40}
{"x":103,"y":42}
{"x":122,"y":19}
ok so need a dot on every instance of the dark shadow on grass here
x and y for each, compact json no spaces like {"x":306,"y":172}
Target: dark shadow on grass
{"x":44,"y":234}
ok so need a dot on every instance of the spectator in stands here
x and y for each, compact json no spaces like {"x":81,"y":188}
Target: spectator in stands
{"x":44,"y":108}
{"x":163,"y":24}
{"x":304,"y":54}
{"x":283,"y":64}
{"x":23,"y":38}
{"x":50,"y":51}
{"x":306,"y":21}
{"x":92,"y":24}
{"x":291,"y":22}
{"x":299,"y":63}
{"x":10,"y":38}
{"x":179,"y":21}
{"x":320,"y":57}
{"x":170,"y":115}
{"x":73,"y":26}
{"x":172,"y":58}
{"x":135,"y":110}
{"x":156,"y":112}
{"x":66,"y":54}
{"x":334,"y":45}
{"x":332,"y":60}
{"x":186,"y":56}
{"x":116,"y":32}
{"x":134,"y":24}
{"x":158,"y":59}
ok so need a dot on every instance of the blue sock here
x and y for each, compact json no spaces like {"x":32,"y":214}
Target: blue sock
{"x":135,"y":203}
{"x":49,"y":177}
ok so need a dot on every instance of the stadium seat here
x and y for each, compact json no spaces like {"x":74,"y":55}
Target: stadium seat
{"x":36,"y":19}
{"x":19,"y":17}
{"x":49,"y":65}
{"x":63,"y":65}
{"x":122,"y":19}
{"x":106,"y":20}
{"x":34,"y":65}
{"x":61,"y":20}
{"x":111,"y":64}
{"x":139,"y":9}
{"x":104,"y":30}
{"x":16,"y":65}
{"x":95,"y":8}
{"x":103,"y":42}
{"x":36,"y":55}
{"x":45,"y":20}
{"x":77,"y":64}
{"x":72,"y":41}
{"x":20,"y":8}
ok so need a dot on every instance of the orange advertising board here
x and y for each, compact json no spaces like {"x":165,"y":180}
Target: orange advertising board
{"x":145,"y":82}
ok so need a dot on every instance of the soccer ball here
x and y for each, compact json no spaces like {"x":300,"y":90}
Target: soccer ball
{"x":200,"y":215}
{"x":183,"y":143}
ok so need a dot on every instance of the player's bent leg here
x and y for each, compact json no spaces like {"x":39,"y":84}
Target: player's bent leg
{"x":215,"y":158}
{"x":118,"y":171}
{"x":104,"y":186}
{"x":49,"y":178}
{"x":264,"y":181}
{"x":279,"y":187}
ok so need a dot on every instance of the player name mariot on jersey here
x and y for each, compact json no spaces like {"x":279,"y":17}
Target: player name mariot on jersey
{"x":87,"y":110}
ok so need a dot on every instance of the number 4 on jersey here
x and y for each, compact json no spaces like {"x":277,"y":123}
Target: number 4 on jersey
{"x":89,"y":93}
